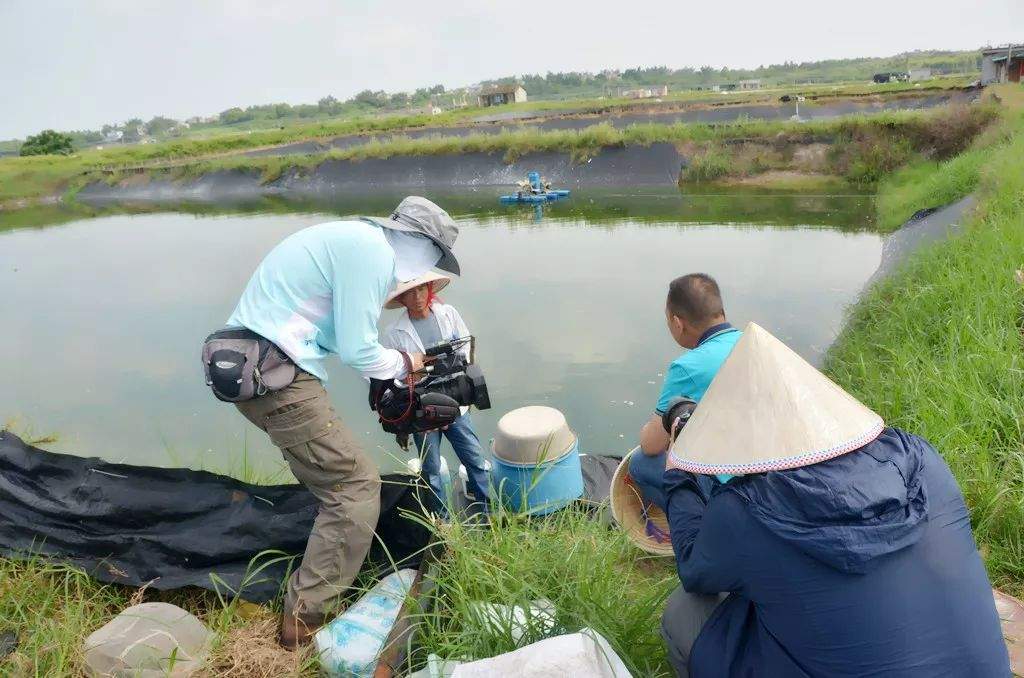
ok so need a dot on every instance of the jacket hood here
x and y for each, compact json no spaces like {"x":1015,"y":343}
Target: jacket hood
{"x":849,"y":511}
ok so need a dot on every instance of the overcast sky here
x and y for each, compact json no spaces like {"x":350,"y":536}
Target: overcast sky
{"x":82,"y":63}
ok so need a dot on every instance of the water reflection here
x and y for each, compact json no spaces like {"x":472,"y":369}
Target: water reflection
{"x":103,"y":317}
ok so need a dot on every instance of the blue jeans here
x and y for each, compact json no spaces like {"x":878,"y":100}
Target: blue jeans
{"x":467,"y":448}
{"x":648,"y":474}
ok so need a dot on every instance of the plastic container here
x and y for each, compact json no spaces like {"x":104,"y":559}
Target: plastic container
{"x":415,"y":466}
{"x":349,"y":646}
{"x":534,"y":179}
{"x":539,"y":489}
{"x":532,"y":434}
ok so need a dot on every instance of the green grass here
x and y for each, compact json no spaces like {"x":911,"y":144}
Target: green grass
{"x":714,"y":163}
{"x":54,"y":607}
{"x":593,"y":576}
{"x":927,"y":183}
{"x":930,"y":183}
{"x":937,"y":348}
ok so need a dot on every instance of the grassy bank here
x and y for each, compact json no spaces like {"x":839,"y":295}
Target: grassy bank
{"x":43,"y":176}
{"x":861,"y":154}
{"x":929,"y":182}
{"x":858,"y":148}
{"x":937,"y":348}
{"x":592,"y":575}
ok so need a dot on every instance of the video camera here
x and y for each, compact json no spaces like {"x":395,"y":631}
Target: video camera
{"x":434,"y":401}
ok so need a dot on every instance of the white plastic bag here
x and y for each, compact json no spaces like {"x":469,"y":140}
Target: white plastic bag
{"x":581,"y":655}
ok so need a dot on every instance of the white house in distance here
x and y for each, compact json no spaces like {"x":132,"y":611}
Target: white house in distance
{"x":754,"y":83}
{"x":1002,"y":64}
{"x":502,"y":94}
{"x":645,"y":92}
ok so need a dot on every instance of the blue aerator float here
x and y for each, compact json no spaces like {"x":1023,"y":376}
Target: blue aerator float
{"x":534,"y":190}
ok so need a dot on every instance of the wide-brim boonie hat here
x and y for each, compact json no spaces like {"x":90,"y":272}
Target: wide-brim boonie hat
{"x":422,"y":217}
{"x":645,"y":524}
{"x":768,"y":409}
{"x":440,"y":281}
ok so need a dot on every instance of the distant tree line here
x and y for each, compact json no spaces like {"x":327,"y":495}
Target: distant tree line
{"x":367,"y":101}
{"x":608,"y":83}
{"x":568,"y":85}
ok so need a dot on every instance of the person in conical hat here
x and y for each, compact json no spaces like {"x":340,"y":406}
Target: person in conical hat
{"x":424,"y":322}
{"x":836,"y":546}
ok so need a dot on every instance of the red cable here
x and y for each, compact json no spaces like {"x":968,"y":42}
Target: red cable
{"x":410,"y":383}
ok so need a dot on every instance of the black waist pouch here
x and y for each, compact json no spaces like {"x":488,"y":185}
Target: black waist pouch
{"x":241,"y":365}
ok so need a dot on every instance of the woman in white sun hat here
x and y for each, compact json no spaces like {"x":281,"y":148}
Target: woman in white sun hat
{"x":834,"y":547}
{"x":426,"y":322}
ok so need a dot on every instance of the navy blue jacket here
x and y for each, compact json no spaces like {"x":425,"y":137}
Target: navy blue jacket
{"x":863,"y":565}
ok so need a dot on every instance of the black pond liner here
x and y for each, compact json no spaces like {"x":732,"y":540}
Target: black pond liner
{"x":171,"y":527}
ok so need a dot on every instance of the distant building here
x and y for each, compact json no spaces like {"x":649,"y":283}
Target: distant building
{"x":113,"y":136}
{"x":645,"y":92}
{"x":754,"y":83}
{"x":502,"y":94}
{"x":920,"y":74}
{"x":882,"y":78}
{"x":1002,"y":64}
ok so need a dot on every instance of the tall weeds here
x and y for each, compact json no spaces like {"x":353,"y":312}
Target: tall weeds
{"x":937,"y":349}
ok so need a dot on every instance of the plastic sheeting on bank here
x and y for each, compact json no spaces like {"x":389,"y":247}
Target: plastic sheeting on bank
{"x":172,"y":527}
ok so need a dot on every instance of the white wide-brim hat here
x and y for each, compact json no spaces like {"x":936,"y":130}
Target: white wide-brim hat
{"x":440,"y":281}
{"x":768,"y":409}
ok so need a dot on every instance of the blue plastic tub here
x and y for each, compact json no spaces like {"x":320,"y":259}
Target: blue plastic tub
{"x":547,"y":487}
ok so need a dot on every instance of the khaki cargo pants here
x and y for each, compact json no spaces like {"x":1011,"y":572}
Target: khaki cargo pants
{"x":325,"y":458}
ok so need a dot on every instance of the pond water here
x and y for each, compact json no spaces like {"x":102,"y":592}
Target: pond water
{"x":103,"y":314}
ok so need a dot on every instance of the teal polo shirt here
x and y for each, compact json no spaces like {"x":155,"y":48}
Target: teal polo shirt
{"x":691,"y":373}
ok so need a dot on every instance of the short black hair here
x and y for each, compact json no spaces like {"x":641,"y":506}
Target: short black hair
{"x":695,"y":298}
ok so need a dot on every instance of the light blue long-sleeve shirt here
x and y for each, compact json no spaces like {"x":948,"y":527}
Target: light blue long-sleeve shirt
{"x":320,"y":292}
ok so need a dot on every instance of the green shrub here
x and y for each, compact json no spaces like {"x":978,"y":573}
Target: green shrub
{"x":870,"y":160}
{"x":713,"y":163}
{"x":47,"y":142}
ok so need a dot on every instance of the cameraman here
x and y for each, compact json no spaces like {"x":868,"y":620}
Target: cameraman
{"x":425,"y":322}
{"x":320,"y":292}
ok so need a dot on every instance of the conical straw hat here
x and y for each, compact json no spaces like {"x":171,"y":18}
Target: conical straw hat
{"x":768,"y":409}
{"x":440,"y":281}
{"x":645,"y":524}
